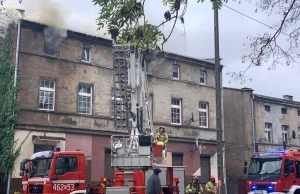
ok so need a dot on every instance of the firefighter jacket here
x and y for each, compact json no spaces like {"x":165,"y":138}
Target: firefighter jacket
{"x":163,"y":137}
{"x":196,"y":188}
{"x":211,"y":187}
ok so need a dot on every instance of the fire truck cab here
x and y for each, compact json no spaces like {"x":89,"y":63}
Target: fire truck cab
{"x":54,"y":172}
{"x":273,"y":172}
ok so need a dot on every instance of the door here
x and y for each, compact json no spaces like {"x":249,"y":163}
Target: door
{"x":205,"y":169}
{"x":108,"y":169}
{"x":68,"y":177}
{"x":289,"y":177}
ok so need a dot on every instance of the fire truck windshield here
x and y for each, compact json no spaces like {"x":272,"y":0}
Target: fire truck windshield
{"x":41,"y":167}
{"x":265,"y":169}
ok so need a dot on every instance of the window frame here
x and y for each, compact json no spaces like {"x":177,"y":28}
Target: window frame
{"x":282,"y":112}
{"x":65,"y":156}
{"x":285,"y":132}
{"x":89,"y":55}
{"x":85,"y":94}
{"x":205,"y":77}
{"x":205,"y":111}
{"x":180,"y":110}
{"x":268,"y":107}
{"x":298,"y":112}
{"x":178,"y":69}
{"x":47,"y":90}
{"x":269,"y":130}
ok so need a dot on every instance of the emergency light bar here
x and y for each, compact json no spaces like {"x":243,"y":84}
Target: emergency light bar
{"x":276,"y":151}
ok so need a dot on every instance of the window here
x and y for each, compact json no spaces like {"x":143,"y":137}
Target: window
{"x":176,"y":70}
{"x":86,"y":54}
{"x":118,"y":101}
{"x":42,"y":147}
{"x":283,"y":110}
{"x":176,"y":111}
{"x":49,"y":47}
{"x":297,"y":169}
{"x":203,"y":114}
{"x":202,"y":77}
{"x":85,"y":99}
{"x":69,"y":164}
{"x":177,"y":159}
{"x":47,"y":94}
{"x":298,"y":113}
{"x":285,"y":133}
{"x":267,"y":108}
{"x":268,"y":132}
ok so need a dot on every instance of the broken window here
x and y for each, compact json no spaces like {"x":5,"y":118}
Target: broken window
{"x":176,"y":111}
{"x":86,"y":54}
{"x":203,"y":114}
{"x":176,"y":69}
{"x":285,"y":133}
{"x":267,"y":108}
{"x":283,"y":110}
{"x":268,"y":132}
{"x":85,"y":99}
{"x":46,"y":94}
{"x":202,"y":77}
{"x":49,"y":48}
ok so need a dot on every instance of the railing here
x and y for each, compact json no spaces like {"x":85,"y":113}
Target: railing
{"x":131,"y":151}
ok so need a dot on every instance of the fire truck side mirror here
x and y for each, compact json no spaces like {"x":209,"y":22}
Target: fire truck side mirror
{"x":21,"y":173}
{"x":22,"y":165}
{"x":245,"y":170}
{"x":245,"y":163}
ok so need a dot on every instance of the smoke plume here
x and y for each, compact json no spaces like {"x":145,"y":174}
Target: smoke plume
{"x":8,"y":15}
{"x":53,"y":37}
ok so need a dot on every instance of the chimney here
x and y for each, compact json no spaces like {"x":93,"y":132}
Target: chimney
{"x":288,"y":97}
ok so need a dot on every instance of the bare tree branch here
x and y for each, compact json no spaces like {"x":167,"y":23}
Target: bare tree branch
{"x":265,"y":48}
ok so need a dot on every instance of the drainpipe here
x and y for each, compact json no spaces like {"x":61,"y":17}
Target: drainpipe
{"x":15,"y":85}
{"x":253,"y":121}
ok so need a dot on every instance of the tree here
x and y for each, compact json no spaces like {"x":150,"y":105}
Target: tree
{"x":266,"y":48}
{"x":8,"y":106}
{"x":126,"y":21}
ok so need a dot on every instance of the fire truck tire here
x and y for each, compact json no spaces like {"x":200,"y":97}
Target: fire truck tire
{"x":297,"y":191}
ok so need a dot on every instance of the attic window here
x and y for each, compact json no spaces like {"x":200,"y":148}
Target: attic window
{"x":86,"y":54}
{"x":283,"y":110}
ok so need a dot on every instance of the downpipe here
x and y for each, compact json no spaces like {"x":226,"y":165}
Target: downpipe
{"x":15,"y":85}
{"x":253,"y":122}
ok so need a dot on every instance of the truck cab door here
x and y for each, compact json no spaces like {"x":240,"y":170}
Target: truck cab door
{"x":67,"y":174}
{"x":289,"y":174}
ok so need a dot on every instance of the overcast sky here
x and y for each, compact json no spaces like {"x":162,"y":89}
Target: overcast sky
{"x":198,"y":38}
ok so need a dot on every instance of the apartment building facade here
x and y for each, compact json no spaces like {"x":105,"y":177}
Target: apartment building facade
{"x":255,"y":123}
{"x":66,"y":79}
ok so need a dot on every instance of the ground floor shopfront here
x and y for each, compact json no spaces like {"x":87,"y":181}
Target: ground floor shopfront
{"x":97,"y":152}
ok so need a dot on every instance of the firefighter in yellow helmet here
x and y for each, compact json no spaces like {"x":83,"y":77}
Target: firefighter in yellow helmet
{"x":212,"y":186}
{"x":194,"y":187}
{"x":162,"y":136}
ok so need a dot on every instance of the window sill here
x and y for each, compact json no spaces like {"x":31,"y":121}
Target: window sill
{"x":88,"y":114}
{"x":206,"y":127}
{"x":46,"y":110}
{"x":177,"y":124}
{"x":175,"y":78}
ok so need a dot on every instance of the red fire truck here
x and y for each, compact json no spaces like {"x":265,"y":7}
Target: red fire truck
{"x":274,"y":172}
{"x":133,"y":156}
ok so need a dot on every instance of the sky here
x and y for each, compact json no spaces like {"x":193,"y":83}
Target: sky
{"x":195,"y":38}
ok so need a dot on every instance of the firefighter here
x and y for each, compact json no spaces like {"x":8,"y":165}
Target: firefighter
{"x":162,"y":136}
{"x":212,"y":186}
{"x":194,"y":187}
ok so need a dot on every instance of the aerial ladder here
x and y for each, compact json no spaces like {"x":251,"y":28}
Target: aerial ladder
{"x":134,"y":154}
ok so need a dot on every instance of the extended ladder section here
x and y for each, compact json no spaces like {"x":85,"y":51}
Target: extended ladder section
{"x":131,"y":102}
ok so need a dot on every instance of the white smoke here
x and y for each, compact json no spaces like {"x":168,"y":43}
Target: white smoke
{"x":54,"y":36}
{"x":8,"y":15}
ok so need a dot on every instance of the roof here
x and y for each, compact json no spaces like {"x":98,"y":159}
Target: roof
{"x":108,"y":42}
{"x":276,"y":100}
